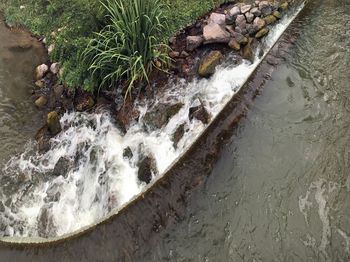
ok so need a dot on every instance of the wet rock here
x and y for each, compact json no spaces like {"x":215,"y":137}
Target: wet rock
{"x":41,"y":102}
{"x":241,"y":39}
{"x":46,"y":225}
{"x":53,"y":123}
{"x":126,"y":115}
{"x":259,"y":23}
{"x":283,"y":7}
{"x":55,"y":68}
{"x":214,"y":33}
{"x":127,"y":153}
{"x":241,"y":22}
{"x":250,"y":17}
{"x":270,"y":19}
{"x":43,"y":139}
{"x":233,"y":44}
{"x":53,"y":193}
{"x":193,"y":42}
{"x":84,"y":102}
{"x":262,"y":32}
{"x":40,"y":83}
{"x":178,"y":134}
{"x":40,"y":71}
{"x":2,"y":207}
{"x":245,"y":8}
{"x":217,"y":18}
{"x":147,"y":168}
{"x":208,"y":63}
{"x":265,"y":8}
{"x":62,"y":167}
{"x":199,"y":112}
{"x":174,"y":54}
{"x":161,"y":114}
{"x":277,"y":14}
{"x":248,"y":53}
{"x":255,"y":11}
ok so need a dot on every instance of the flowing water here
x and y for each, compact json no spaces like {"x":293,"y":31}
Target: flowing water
{"x":99,"y":179}
{"x":281,"y":189}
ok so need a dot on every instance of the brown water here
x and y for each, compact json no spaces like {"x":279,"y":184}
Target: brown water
{"x":19,"y":119}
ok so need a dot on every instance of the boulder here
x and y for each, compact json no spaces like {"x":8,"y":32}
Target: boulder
{"x":214,"y":33}
{"x":255,"y":11}
{"x":200,"y":113}
{"x":245,"y":8}
{"x":259,"y":23}
{"x":233,"y":44}
{"x":264,"y":31}
{"x":55,"y":68}
{"x":208,"y":63}
{"x":147,"y":168}
{"x":41,"y":102}
{"x":270,"y":19}
{"x":178,"y":134}
{"x":217,"y":18}
{"x":53,"y":123}
{"x":160,"y":115}
{"x":265,"y":8}
{"x":62,"y":167}
{"x":250,"y":17}
{"x":283,"y":7}
{"x":193,"y":42}
{"x":40,"y":71}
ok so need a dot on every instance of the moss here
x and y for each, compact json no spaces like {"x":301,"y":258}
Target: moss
{"x":70,"y":24}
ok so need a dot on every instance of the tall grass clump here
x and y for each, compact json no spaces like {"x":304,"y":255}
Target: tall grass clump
{"x":126,"y":50}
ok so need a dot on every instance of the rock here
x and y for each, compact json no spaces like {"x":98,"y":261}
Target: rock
{"x":127,"y":153}
{"x":147,"y":168}
{"x":172,"y":40}
{"x":265,"y":8}
{"x":248,"y":53}
{"x":259,"y":23}
{"x":193,"y":42}
{"x":245,"y":8}
{"x":255,"y":11}
{"x":217,"y":18}
{"x":40,"y":71}
{"x":270,"y":19}
{"x":250,"y":17}
{"x":200,"y":113}
{"x":208,"y":63}
{"x":233,"y":44}
{"x":232,"y":15}
{"x":55,"y":68}
{"x":46,"y":224}
{"x":234,"y":11}
{"x":277,"y":14}
{"x":43,"y":139}
{"x":2,"y":207}
{"x":84,"y":102}
{"x":178,"y":134}
{"x":62,"y":167}
{"x":40,"y":83}
{"x":58,"y":91}
{"x":283,"y":7}
{"x":161,"y":114}
{"x":53,"y":123}
{"x":214,"y":33}
{"x":174,"y":54}
{"x":184,"y":54}
{"x":41,"y":102}
{"x":241,"y":22}
{"x":262,"y":33}
{"x":241,"y":39}
{"x":53,"y":193}
{"x":51,"y":48}
{"x":252,"y":29}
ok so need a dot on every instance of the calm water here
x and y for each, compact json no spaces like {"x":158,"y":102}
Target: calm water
{"x":19,"y":119}
{"x":281,"y":189}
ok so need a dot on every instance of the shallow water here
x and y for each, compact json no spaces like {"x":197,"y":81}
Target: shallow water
{"x":281,"y":188}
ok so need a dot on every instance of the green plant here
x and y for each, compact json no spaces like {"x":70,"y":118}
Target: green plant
{"x":129,"y":47}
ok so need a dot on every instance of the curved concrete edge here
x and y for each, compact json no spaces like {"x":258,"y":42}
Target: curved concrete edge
{"x":17,"y":242}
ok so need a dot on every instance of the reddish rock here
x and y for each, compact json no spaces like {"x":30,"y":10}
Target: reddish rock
{"x":214,"y":33}
{"x":193,"y":42}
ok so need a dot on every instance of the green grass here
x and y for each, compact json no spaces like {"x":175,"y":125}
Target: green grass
{"x":74,"y":23}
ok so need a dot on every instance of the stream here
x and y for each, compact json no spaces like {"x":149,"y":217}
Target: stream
{"x":280,"y":190}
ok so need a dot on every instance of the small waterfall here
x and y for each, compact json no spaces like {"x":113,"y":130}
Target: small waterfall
{"x":98,"y":177}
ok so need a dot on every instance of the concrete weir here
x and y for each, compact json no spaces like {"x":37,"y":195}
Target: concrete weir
{"x":121,"y":235}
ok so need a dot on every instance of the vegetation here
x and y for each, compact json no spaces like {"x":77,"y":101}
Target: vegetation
{"x":128,"y":48}
{"x":70,"y":26}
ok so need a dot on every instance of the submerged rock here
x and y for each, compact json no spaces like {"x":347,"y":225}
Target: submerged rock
{"x":161,"y":114}
{"x":214,"y":33}
{"x":46,"y":224}
{"x":178,"y":134}
{"x":127,"y":153}
{"x":199,"y":112}
{"x":193,"y":42}
{"x":40,"y":71}
{"x":147,"y":168}
{"x":53,"y":123}
{"x":62,"y":167}
{"x":208,"y":63}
